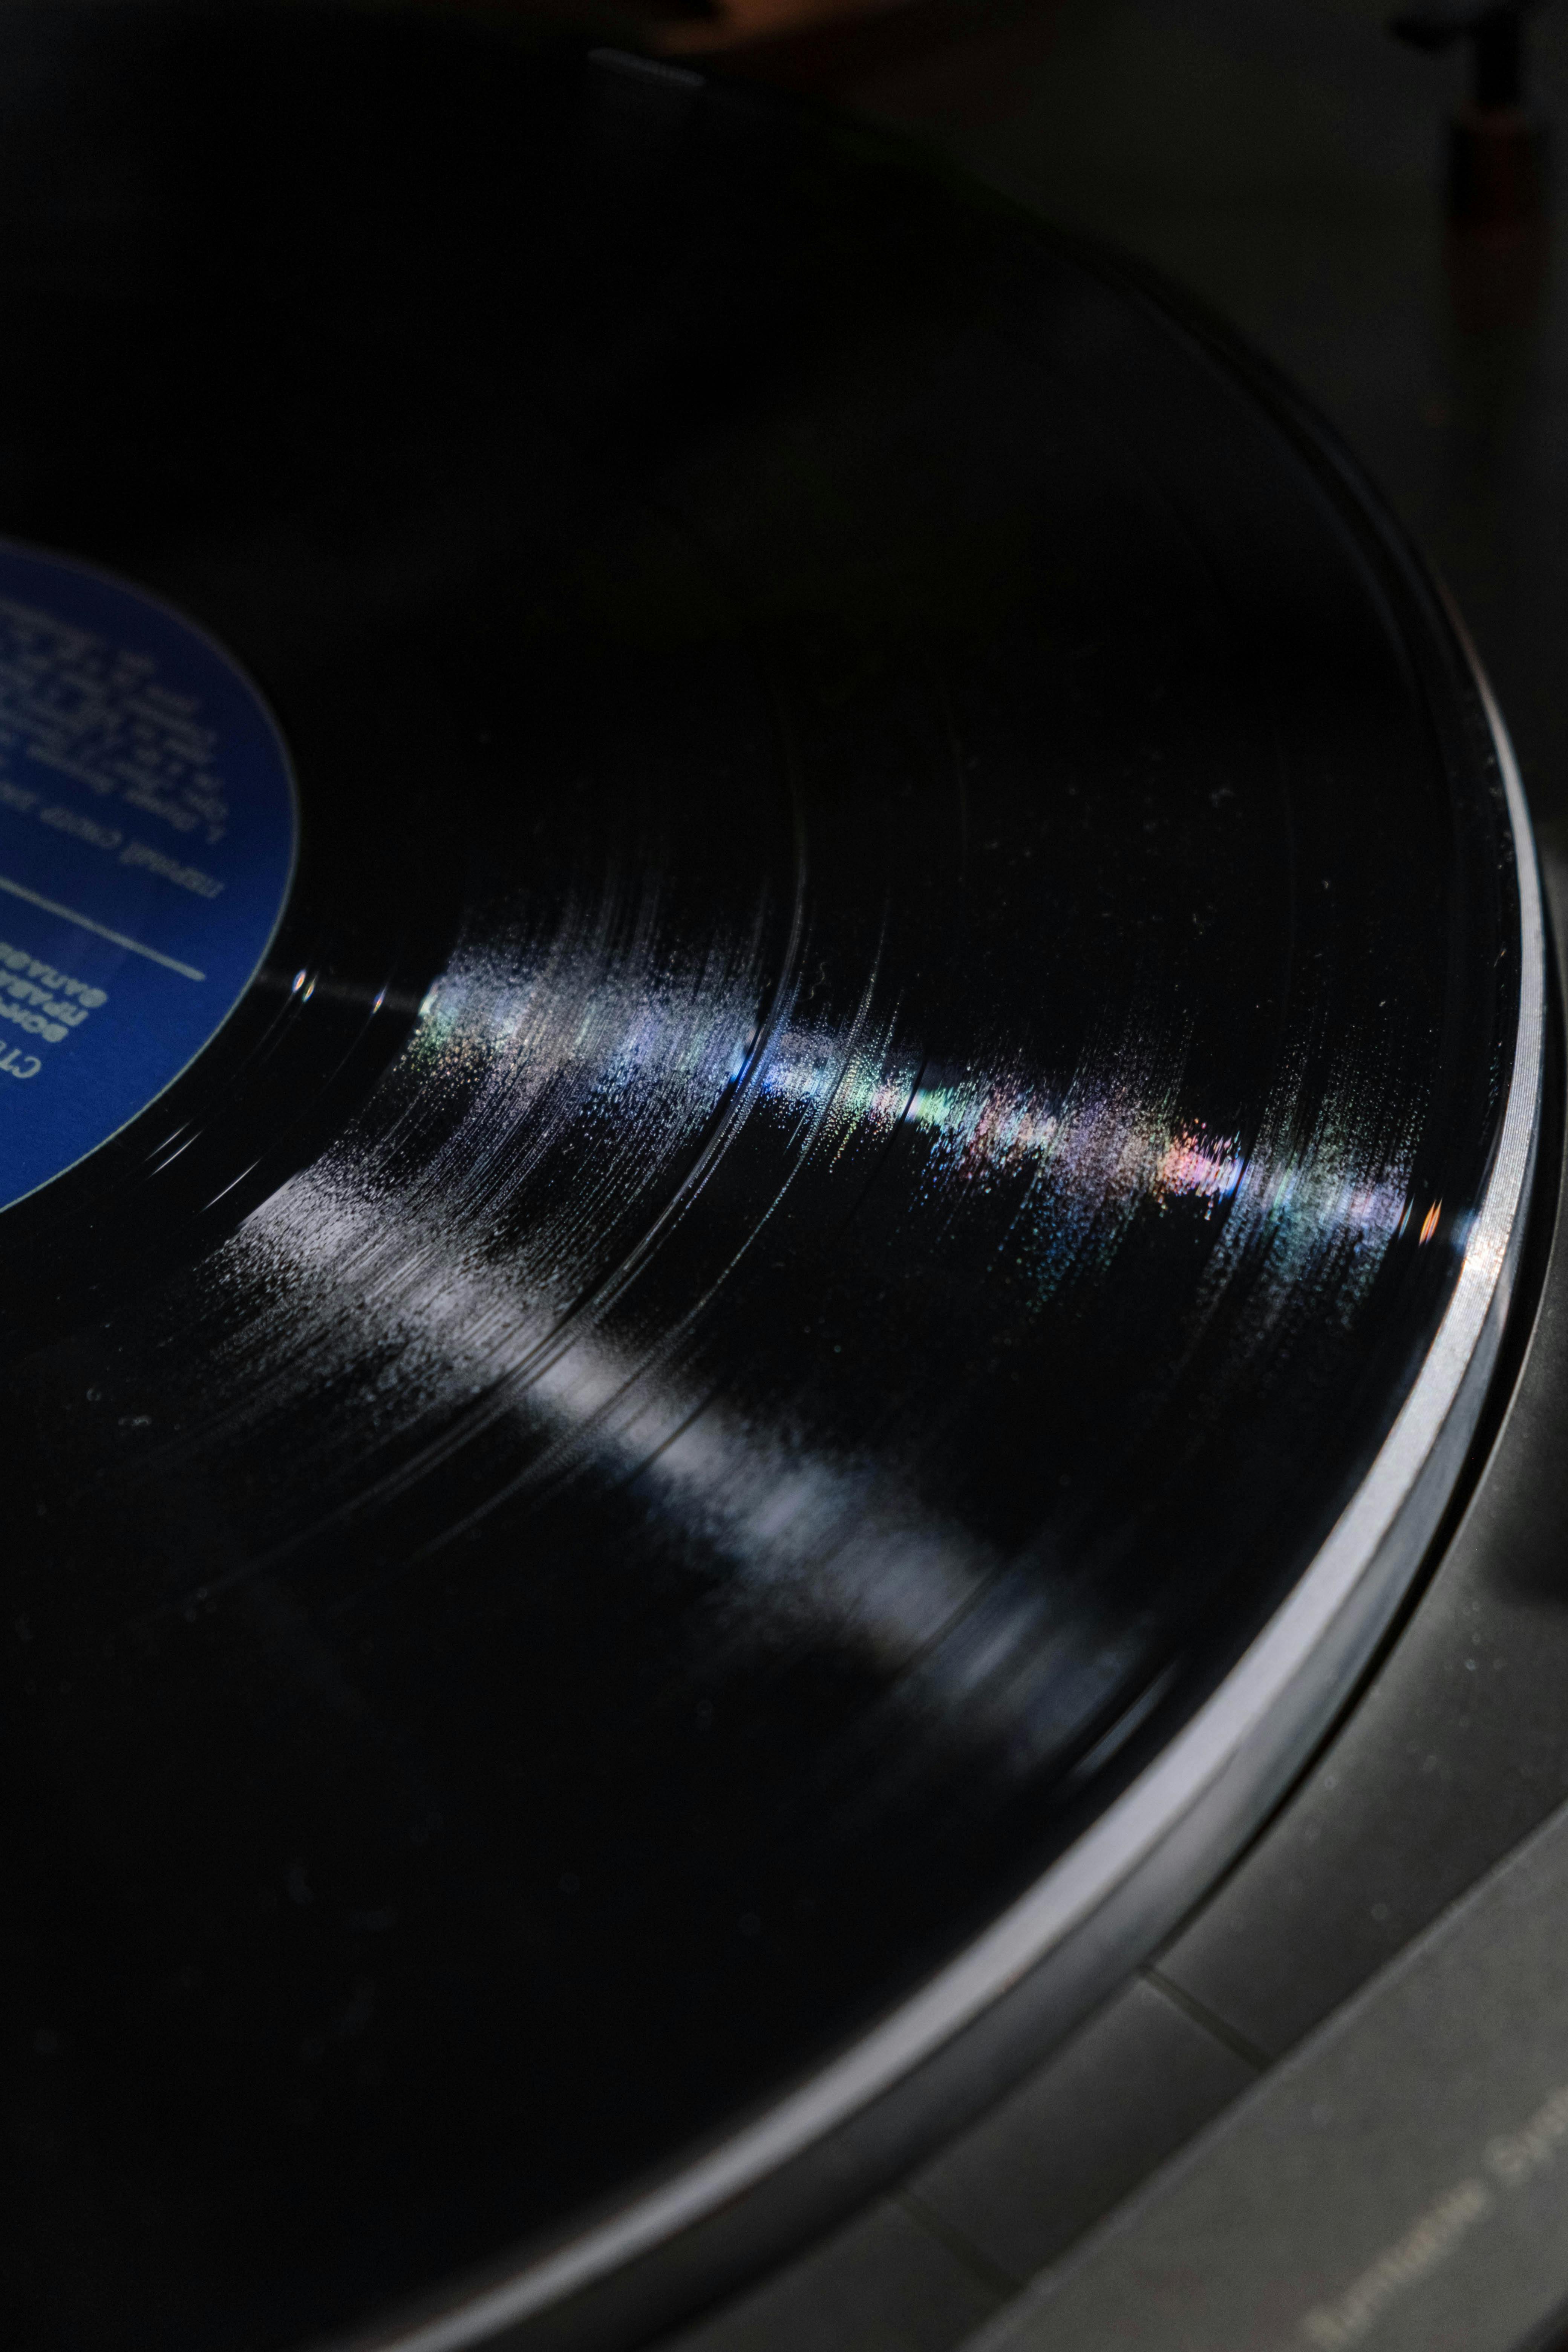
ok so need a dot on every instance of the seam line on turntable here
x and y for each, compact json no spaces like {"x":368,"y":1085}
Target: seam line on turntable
{"x":86,"y":923}
{"x":1251,"y":2053}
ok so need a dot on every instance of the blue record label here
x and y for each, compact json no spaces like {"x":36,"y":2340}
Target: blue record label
{"x":147,"y":836}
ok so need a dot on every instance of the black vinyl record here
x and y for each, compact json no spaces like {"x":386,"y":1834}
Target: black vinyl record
{"x":895,"y":1022}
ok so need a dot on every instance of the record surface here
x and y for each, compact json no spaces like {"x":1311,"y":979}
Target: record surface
{"x":896,"y":1026}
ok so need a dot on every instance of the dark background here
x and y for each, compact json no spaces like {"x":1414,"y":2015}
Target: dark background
{"x":1285,"y":162}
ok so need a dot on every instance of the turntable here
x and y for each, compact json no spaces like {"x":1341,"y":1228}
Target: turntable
{"x":781,"y":1137}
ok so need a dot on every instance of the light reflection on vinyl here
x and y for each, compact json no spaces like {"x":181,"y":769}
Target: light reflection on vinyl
{"x":911,"y":961}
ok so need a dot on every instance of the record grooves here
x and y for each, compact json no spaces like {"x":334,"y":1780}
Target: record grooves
{"x":772,"y":1375}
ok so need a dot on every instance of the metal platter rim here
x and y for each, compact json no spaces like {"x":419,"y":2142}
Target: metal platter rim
{"x":1254,"y":1729}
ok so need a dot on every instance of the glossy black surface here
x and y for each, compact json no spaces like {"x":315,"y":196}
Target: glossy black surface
{"x":572,"y":1543}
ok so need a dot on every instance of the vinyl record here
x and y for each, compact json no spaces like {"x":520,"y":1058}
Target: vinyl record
{"x":814,"y":1030}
